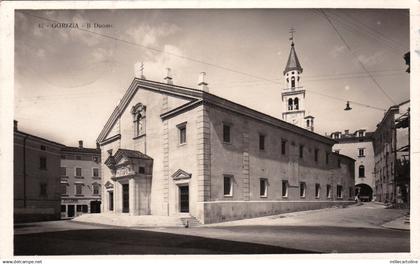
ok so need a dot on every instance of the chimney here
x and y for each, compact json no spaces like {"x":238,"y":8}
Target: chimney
{"x":15,"y":125}
{"x":346,"y":132}
{"x":201,"y":82}
{"x":80,"y":143}
{"x":168,"y":77}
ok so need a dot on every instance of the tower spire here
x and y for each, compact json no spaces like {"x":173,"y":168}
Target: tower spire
{"x":293,"y":61}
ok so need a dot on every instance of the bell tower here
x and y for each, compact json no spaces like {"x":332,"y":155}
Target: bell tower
{"x":293,"y":93}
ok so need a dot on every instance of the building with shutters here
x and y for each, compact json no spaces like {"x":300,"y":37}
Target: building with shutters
{"x":80,"y":181}
{"x":359,"y":146}
{"x":36,"y":180}
{"x":180,"y":151}
{"x":392,"y":156}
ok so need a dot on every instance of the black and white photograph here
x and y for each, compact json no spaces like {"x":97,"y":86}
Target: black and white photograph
{"x":203,"y":130}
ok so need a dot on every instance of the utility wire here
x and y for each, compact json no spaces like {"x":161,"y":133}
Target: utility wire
{"x":215,"y":65}
{"x":358,"y":60}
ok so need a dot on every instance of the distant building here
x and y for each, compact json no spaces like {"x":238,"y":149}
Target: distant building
{"x":80,"y":181}
{"x":359,"y":146}
{"x":36,"y":177}
{"x":178,"y":151}
{"x":392,"y":155}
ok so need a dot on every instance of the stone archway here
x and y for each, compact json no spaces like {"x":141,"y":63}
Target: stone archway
{"x":364,"y":192}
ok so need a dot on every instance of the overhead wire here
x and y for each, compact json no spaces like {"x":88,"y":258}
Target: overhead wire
{"x":358,"y":60}
{"x":218,"y":66}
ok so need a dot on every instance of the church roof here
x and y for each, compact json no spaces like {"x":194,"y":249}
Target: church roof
{"x":196,"y":97}
{"x":293,"y":61}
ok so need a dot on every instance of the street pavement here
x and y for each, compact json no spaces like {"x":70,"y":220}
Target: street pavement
{"x":342,"y":230}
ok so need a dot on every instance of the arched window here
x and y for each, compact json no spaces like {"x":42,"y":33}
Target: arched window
{"x":293,"y":81}
{"x":296,"y":103}
{"x":290,"y":104}
{"x":361,"y":171}
{"x":139,"y":119}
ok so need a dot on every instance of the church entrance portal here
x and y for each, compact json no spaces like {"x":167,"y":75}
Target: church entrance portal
{"x":184,"y":199}
{"x":125,"y":200}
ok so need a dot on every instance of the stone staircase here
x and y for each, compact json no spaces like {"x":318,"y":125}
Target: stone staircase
{"x":190,"y":221}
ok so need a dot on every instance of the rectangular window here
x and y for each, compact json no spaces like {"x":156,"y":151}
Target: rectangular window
{"x":317,"y":190}
{"x":283,"y":147}
{"x":263,"y":187}
{"x":63,"y":208}
{"x":182,"y":132}
{"x":95,"y":189}
{"x":95,"y":172}
{"x":79,"y":208}
{"x":262,"y":142}
{"x":78,"y":189}
{"x":316,"y":155}
{"x":63,"y":171}
{"x":63,"y":189}
{"x":327,"y":156}
{"x":361,"y":152}
{"x":227,"y":185}
{"x":226,"y":133}
{"x":284,"y":188}
{"x":328,"y":191}
{"x":339,"y":191}
{"x":301,"y":151}
{"x":43,"y":189}
{"x":302,"y":189}
{"x":78,"y":172}
{"x":43,"y":163}
{"x":43,"y":147}
{"x":84,"y":208}
{"x":142,"y":170}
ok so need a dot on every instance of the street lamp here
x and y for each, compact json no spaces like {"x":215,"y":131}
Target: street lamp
{"x":347,"y":106}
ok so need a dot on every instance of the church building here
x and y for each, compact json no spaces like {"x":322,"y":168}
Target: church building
{"x":180,"y":151}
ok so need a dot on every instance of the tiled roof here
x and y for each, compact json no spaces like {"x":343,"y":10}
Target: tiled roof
{"x":81,"y":150}
{"x":293,"y":61}
{"x":130,"y":154}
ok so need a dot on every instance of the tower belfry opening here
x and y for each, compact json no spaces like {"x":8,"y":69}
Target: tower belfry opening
{"x":293,"y":94}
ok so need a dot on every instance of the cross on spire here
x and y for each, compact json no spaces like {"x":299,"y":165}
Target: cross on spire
{"x":291,"y":31}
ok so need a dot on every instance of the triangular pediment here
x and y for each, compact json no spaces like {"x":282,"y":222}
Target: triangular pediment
{"x":187,"y":94}
{"x":109,"y":185}
{"x":181,"y":175}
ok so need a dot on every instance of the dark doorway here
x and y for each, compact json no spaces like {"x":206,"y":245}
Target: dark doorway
{"x":70,"y":210}
{"x":126,"y":197}
{"x":111,"y":201}
{"x":184,"y":198}
{"x":95,"y":207}
{"x":364,"y":192}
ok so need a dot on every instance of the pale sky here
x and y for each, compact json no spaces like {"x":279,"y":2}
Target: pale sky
{"x":68,"y":81}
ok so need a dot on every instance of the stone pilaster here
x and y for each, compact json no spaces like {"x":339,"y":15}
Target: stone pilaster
{"x":132,"y":196}
{"x":165,"y":180}
{"x":203,"y":155}
{"x":245,"y":166}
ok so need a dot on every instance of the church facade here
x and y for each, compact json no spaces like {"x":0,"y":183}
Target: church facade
{"x":178,"y":151}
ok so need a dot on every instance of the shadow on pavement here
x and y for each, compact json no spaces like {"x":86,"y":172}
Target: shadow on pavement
{"x":137,"y":242}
